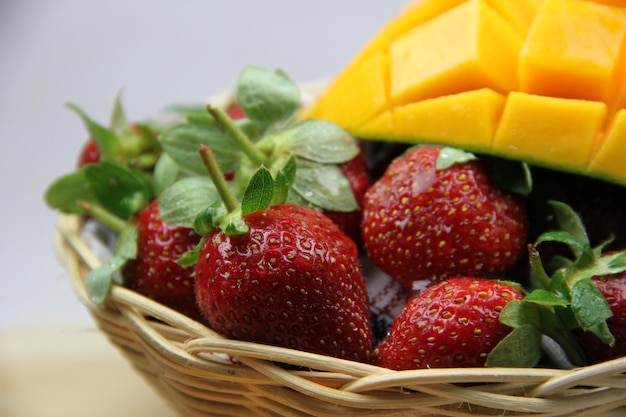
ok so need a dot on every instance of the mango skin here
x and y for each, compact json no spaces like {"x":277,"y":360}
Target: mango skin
{"x":539,"y":81}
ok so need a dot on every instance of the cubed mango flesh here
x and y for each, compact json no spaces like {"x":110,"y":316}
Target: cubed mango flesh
{"x":470,"y":118}
{"x":466,"y":56}
{"x":608,"y":162}
{"x":541,"y":129}
{"x":540,"y":81}
{"x":574,"y":50}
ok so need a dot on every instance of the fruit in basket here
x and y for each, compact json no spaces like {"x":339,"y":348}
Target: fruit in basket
{"x":450,"y":324}
{"x":154,"y":271}
{"x":550,"y":96}
{"x":427,"y":222}
{"x":281,"y":274}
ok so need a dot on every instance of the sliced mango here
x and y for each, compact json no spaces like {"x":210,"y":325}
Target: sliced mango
{"x":574,"y":50}
{"x":541,"y":81}
{"x":519,"y":13}
{"x":466,"y":57}
{"x":549,"y":130}
{"x":608,"y":162}
{"x":467,"y":120}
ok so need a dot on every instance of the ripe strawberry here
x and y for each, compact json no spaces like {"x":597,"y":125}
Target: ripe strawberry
{"x":613,"y":288}
{"x":453,"y":323}
{"x":89,"y":154}
{"x":154,"y":271}
{"x":425,"y":223}
{"x":293,"y":280}
{"x":280,"y":274}
{"x":355,"y":171}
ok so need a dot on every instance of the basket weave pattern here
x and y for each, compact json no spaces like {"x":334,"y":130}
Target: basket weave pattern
{"x":201,"y":373}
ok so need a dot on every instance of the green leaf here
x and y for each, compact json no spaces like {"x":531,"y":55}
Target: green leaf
{"x":63,"y":193}
{"x":324,"y":186}
{"x":510,"y":175}
{"x":166,"y":173}
{"x":317,"y":141}
{"x":206,"y":221}
{"x":99,"y":281}
{"x":108,"y":143}
{"x":191,"y":258}
{"x":188,"y":110}
{"x":588,"y":304}
{"x":126,"y":246}
{"x":118,"y":188}
{"x":517,"y":313}
{"x":569,"y":221}
{"x":546,"y":298}
{"x":283,"y":181}
{"x":183,"y":142}
{"x":449,"y":156}
{"x":270,"y":99}
{"x":565,"y":237}
{"x":181,"y":202}
{"x":259,"y":192}
{"x":519,"y":349}
{"x":119,"y":124}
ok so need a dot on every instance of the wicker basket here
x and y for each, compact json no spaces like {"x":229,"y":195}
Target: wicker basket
{"x":203,"y":374}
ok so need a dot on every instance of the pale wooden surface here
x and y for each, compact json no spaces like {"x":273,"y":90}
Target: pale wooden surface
{"x":70,"y":371}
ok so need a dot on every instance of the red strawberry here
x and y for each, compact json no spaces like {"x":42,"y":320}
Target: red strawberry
{"x":90,"y":154}
{"x":235,"y":111}
{"x":450,"y":324}
{"x":350,"y":222}
{"x":613,"y":288}
{"x":425,"y":223}
{"x":293,"y":280}
{"x":154,"y":272}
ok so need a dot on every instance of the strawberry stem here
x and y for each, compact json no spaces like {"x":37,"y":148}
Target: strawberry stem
{"x":104,"y":216}
{"x":216,"y":174}
{"x":243,"y":142}
{"x":537,"y":267}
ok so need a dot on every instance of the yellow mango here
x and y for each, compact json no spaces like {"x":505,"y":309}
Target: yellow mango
{"x":519,"y":13}
{"x":608,"y":162}
{"x":354,"y":78}
{"x":562,"y":59}
{"x":549,"y":131}
{"x":470,"y":118}
{"x":540,"y":81}
{"x":360,"y":95}
{"x":467,"y":56}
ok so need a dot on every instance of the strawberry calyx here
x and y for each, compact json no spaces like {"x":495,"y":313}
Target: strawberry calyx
{"x":99,"y":281}
{"x":269,"y":135}
{"x":226,"y":212}
{"x":121,"y":180}
{"x":122,"y":141}
{"x":564,"y":299}
{"x":109,"y":183}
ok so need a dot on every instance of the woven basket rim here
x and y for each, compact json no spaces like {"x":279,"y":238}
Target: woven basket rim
{"x":328,"y":386}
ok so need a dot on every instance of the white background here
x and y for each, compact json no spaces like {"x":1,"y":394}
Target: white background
{"x":159,"y":52}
